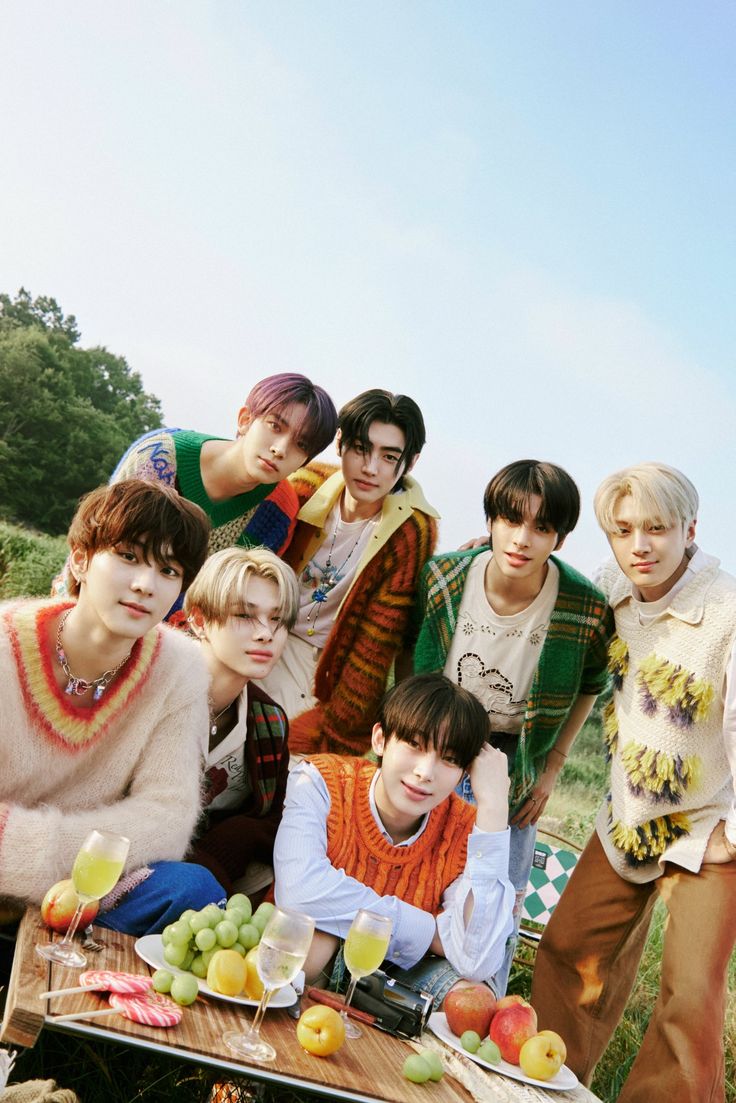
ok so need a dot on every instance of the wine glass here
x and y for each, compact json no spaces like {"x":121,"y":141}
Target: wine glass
{"x":96,"y":871}
{"x":281,"y":953}
{"x":365,"y":948}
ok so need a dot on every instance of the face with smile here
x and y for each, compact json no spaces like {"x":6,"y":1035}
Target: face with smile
{"x":123,"y":591}
{"x":414,"y":779}
{"x":372,"y":472}
{"x":271,"y":445}
{"x":521,"y":548}
{"x":651,"y":554}
{"x":251,"y":640}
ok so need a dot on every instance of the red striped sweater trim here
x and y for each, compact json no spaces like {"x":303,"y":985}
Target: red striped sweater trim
{"x":52,"y":711}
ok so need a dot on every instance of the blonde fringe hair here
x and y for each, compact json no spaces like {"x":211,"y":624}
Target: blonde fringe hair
{"x":661,"y":495}
{"x":221,"y":587}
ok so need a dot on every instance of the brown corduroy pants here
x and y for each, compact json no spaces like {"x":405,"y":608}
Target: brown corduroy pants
{"x":587,"y":964}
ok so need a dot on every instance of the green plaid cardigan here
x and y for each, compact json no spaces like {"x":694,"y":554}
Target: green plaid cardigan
{"x":573,"y":660}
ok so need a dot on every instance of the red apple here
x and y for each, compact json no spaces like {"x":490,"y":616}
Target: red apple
{"x":508,"y":1001}
{"x":60,"y":903}
{"x":469,"y":1008}
{"x":511,"y":1027}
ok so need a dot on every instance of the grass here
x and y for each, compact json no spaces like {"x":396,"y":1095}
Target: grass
{"x":28,"y":561}
{"x":106,"y":1073}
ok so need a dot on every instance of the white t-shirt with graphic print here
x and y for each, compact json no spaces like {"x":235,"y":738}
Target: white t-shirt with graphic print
{"x":495,"y":657}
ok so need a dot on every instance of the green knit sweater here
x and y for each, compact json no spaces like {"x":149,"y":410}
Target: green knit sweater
{"x":573,"y":660}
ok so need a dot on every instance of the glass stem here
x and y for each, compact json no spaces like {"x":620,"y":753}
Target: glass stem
{"x":350,"y":991}
{"x":267,"y":993}
{"x":72,"y":928}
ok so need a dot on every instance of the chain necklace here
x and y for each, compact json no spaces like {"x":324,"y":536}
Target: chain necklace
{"x":77,"y":687}
{"x":214,"y":719}
{"x":331,"y":575}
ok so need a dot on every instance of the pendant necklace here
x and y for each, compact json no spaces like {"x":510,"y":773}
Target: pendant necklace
{"x":331,"y":575}
{"x":77,"y":687}
{"x":214,"y":719}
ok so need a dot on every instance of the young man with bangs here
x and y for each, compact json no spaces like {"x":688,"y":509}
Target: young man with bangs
{"x":242,"y":484}
{"x":103,"y":711}
{"x":363,"y":534}
{"x":667,"y":829}
{"x":397,"y":840}
{"x":241,"y":606}
{"x":526,"y":634}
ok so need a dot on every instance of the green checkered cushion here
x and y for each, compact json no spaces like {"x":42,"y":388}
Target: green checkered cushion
{"x":551,"y":869}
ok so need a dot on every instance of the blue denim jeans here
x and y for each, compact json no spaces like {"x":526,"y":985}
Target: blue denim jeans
{"x":521,"y":853}
{"x":161,"y":898}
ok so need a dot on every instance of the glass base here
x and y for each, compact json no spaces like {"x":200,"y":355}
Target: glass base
{"x":60,"y":954}
{"x":249,"y":1045}
{"x":351,"y":1030}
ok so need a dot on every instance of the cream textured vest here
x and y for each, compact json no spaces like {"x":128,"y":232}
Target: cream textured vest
{"x":670,"y":777}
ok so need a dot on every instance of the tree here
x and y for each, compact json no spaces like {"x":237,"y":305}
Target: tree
{"x":66,"y":413}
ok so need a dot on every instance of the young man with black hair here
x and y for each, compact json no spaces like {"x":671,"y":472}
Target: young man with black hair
{"x":363,"y":534}
{"x":526,"y":634}
{"x":396,"y":839}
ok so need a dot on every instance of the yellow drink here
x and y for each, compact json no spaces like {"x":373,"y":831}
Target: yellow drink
{"x":94,"y":875}
{"x":364,"y":952}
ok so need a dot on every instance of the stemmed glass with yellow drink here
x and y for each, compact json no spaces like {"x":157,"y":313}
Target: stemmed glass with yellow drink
{"x":365,"y":948}
{"x":282,"y":952}
{"x":96,"y":871}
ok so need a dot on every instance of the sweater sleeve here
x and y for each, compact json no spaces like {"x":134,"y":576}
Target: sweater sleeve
{"x":595,"y":670}
{"x":157,"y":809}
{"x":151,"y":457}
{"x":371,"y":629}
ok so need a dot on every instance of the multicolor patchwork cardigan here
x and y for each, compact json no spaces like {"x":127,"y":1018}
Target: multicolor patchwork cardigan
{"x":573,"y":660}
{"x":265,"y":515}
{"x":232,"y":839}
{"x":372,"y":623}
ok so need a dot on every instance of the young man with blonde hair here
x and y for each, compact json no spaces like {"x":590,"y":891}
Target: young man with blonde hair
{"x":667,"y":829}
{"x":241,"y":606}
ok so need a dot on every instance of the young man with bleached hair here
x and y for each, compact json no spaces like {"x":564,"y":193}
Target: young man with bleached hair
{"x":397,"y":840}
{"x":363,"y":534}
{"x":241,"y":606}
{"x":667,"y":829}
{"x":524,"y":632}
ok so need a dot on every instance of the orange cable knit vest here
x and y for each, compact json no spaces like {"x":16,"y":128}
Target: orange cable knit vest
{"x":417,"y":874}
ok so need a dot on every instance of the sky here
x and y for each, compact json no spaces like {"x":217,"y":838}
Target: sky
{"x":520,"y":214}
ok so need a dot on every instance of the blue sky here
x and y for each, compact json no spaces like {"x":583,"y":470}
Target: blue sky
{"x":519,"y":213}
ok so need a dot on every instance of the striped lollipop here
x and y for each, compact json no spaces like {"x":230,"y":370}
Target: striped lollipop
{"x":150,"y":1009}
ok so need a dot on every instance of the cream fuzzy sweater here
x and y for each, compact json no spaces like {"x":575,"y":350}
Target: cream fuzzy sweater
{"x":131,"y":764}
{"x":671,"y":781}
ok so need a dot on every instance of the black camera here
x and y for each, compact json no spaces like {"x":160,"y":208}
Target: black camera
{"x":399,"y":1009}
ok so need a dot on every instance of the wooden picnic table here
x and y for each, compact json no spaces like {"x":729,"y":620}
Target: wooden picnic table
{"x":364,"y":1070}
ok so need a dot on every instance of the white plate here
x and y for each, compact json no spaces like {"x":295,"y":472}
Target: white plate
{"x":151,"y":949}
{"x":564,"y":1081}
